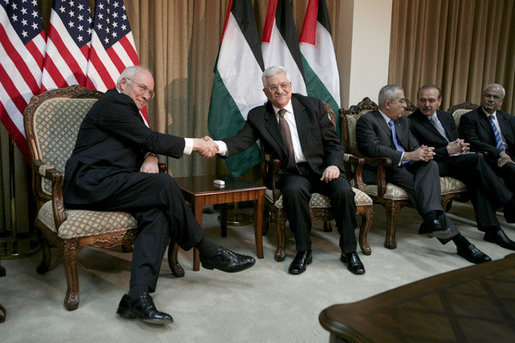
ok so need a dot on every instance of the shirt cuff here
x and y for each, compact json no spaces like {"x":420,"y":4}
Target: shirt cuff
{"x":222,"y":148}
{"x":188,"y":146}
{"x":400,"y":161}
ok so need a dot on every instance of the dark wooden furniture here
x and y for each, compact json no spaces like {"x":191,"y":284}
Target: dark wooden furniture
{"x":52,"y":122}
{"x":471,"y":304}
{"x":3,"y":312}
{"x":200,"y":191}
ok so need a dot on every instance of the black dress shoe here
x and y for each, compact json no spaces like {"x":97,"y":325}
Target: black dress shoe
{"x":473,"y":254}
{"x":353,"y":263}
{"x":227,"y":261}
{"x":300,"y":261}
{"x":499,"y":237}
{"x":142,"y":308}
{"x":435,"y":228}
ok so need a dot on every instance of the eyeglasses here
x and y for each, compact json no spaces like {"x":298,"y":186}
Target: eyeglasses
{"x":274,"y":88}
{"x":143,"y":88}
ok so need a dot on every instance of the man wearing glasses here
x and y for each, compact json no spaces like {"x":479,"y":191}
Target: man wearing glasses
{"x":297,"y":130}
{"x":114,"y":168}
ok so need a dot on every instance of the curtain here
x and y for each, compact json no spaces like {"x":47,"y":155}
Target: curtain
{"x":458,"y":45}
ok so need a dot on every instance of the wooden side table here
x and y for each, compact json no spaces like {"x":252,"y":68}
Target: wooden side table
{"x":471,"y":304}
{"x":201,"y":191}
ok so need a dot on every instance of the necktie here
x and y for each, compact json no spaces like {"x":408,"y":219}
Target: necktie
{"x":394,"y":136}
{"x":438,"y":126}
{"x":498,"y":139}
{"x":286,"y":133}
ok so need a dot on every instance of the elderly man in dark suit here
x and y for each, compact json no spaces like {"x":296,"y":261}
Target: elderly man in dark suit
{"x":296,"y":129}
{"x":490,"y":130}
{"x":114,"y":168}
{"x":386,"y":132}
{"x":436,"y":128}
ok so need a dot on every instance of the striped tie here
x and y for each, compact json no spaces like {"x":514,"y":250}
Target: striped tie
{"x":498,"y":139}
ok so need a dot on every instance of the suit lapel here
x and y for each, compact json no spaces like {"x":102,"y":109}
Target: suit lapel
{"x":301,"y":122}
{"x":402,"y":135}
{"x":507,"y":134}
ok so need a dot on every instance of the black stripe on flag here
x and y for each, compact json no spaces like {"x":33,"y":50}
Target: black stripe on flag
{"x":323,"y":16}
{"x":244,"y":15}
{"x":286,"y":26}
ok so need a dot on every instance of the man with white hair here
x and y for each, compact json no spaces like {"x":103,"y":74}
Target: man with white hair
{"x":490,"y":130}
{"x":114,"y":168}
{"x":297,"y":130}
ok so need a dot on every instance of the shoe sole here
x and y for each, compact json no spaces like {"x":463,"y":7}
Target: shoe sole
{"x":130,"y":315}
{"x":233,"y":270}
{"x":444,"y":234}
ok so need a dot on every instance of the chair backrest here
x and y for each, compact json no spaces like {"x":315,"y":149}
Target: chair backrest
{"x":52,"y":121}
{"x":348,"y":120}
{"x":458,"y":110}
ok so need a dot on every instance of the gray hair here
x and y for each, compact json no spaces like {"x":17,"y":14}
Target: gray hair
{"x":495,"y":85}
{"x":129,"y":72}
{"x":387,"y":93}
{"x":271,"y":71}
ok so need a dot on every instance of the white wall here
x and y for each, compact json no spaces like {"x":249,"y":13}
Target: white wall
{"x":363,"y":61}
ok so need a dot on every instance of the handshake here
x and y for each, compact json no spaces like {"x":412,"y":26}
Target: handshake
{"x":206,"y":146}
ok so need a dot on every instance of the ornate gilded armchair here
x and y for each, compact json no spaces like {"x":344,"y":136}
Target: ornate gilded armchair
{"x":52,"y":122}
{"x":320,"y":206}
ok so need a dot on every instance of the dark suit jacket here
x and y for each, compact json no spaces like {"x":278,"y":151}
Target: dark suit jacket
{"x":475,"y":128}
{"x":426,"y":133}
{"x":374,"y":137}
{"x":318,"y":138}
{"x":112,"y":139}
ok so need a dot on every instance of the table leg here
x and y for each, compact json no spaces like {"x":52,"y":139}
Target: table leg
{"x":197,"y":210}
{"x":258,"y":224}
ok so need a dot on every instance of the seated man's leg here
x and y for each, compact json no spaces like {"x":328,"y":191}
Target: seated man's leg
{"x":507,"y":173}
{"x":296,"y":193}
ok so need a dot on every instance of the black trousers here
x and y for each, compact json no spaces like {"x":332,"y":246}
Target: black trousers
{"x":296,"y":189}
{"x":157,"y":203}
{"x":484,"y":187}
{"x":507,"y":173}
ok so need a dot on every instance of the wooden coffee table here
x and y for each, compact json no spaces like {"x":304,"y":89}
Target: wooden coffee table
{"x":200,"y":191}
{"x":471,"y":304}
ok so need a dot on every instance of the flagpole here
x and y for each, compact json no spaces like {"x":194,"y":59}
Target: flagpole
{"x":15,"y":245}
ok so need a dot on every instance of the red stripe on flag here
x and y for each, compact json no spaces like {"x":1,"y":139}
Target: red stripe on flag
{"x":67,"y":56}
{"x":269,"y":21}
{"x":34,"y":51}
{"x":309,"y":28}
{"x":228,"y":13}
{"x":15,"y":134}
{"x":54,"y":73}
{"x":18,"y":62}
{"x":130,"y":49}
{"x":117,"y":62}
{"x":11,"y":90}
{"x":101,"y":70}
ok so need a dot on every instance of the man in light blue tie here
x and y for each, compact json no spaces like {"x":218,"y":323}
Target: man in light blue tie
{"x":386,"y":132}
{"x":492,"y":131}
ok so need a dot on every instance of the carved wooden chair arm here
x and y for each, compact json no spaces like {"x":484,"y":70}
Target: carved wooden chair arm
{"x":357,"y":162}
{"x":56,"y":177}
{"x":381,"y":162}
{"x":269,"y":168}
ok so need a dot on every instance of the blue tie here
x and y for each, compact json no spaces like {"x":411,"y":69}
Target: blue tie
{"x":394,"y":136}
{"x":498,"y":139}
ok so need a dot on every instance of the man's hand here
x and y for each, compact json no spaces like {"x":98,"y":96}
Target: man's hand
{"x":423,"y":153}
{"x":458,"y":147}
{"x":150,"y":165}
{"x":205,"y":146}
{"x":330,"y":173}
{"x":503,"y":159}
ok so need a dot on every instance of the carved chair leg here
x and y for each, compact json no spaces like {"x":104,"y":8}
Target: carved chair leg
{"x":44,"y":265}
{"x":266,"y":221}
{"x":392,"y":213}
{"x":2,"y":270}
{"x":127,"y":248}
{"x":367,"y":217}
{"x":173,"y":260}
{"x":327,"y":226}
{"x":280,"y":253}
{"x":70,"y":252}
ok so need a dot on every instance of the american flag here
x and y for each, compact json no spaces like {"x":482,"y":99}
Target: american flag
{"x":112,"y":47}
{"x":22,"y":49}
{"x":67,"y":50}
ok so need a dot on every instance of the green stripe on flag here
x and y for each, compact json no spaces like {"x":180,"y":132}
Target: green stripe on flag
{"x":317,"y":89}
{"x":225,"y":120}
